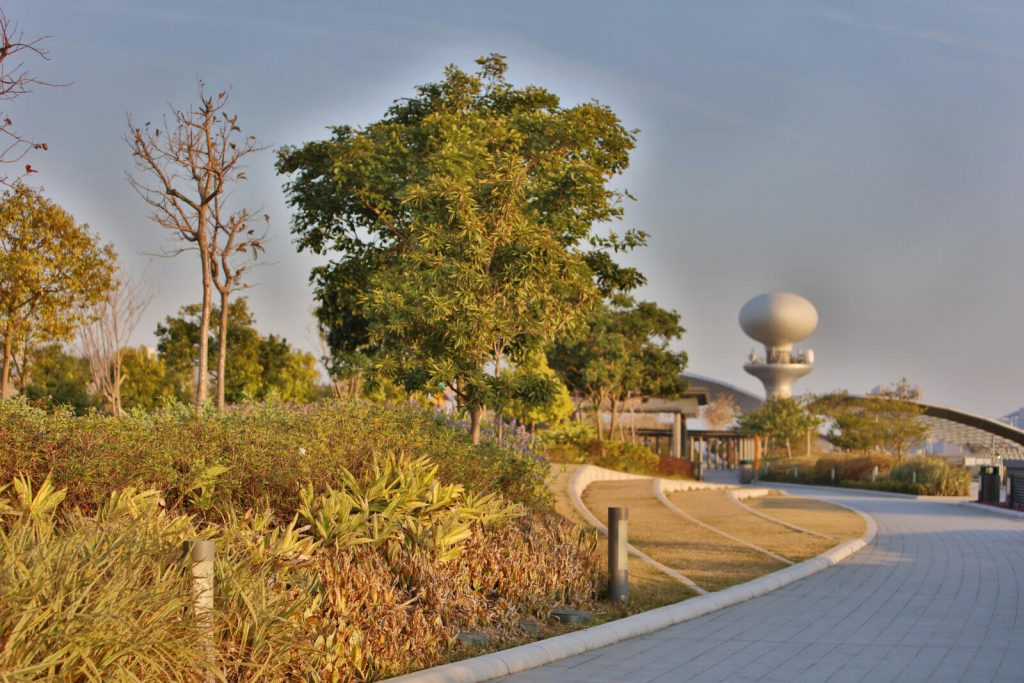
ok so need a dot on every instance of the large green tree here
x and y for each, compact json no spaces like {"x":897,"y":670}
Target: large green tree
{"x":889,"y":420}
{"x":461,"y":229}
{"x":51,"y":271}
{"x":621,"y":353}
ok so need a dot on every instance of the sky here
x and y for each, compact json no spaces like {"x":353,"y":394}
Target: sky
{"x":867,"y":156}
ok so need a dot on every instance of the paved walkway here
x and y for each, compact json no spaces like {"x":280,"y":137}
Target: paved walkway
{"x":939,"y":596}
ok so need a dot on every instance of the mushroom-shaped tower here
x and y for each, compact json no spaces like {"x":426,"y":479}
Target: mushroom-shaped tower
{"x":778,"y":320}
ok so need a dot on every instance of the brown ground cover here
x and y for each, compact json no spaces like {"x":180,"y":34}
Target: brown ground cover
{"x":711,"y":560}
{"x":811,"y":514}
{"x":716,"y":508}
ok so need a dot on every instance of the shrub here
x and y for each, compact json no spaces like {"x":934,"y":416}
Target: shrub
{"x":939,"y":478}
{"x":853,"y":466}
{"x":379,"y":582}
{"x":888,"y":485}
{"x":255,"y":456}
{"x":624,"y":457}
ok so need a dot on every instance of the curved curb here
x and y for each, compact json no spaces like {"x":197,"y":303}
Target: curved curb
{"x":661,"y":487}
{"x":992,"y":510}
{"x":523,"y":657}
{"x":586,"y":475}
{"x":739,"y":495}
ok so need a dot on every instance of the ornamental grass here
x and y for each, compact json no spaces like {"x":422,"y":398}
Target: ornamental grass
{"x":364,"y":573}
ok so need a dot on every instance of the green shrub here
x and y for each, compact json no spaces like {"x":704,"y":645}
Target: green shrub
{"x":624,"y":457}
{"x":853,"y":466}
{"x":255,"y":456}
{"x":888,"y":485}
{"x":939,"y":478}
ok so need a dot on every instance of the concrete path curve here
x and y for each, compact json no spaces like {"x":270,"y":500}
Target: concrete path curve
{"x":938,"y":596}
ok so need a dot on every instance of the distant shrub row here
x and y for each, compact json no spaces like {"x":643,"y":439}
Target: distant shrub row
{"x":917,"y":475}
{"x":576,"y":442}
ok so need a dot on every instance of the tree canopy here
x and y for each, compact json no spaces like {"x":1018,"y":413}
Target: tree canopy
{"x":460,"y":228}
{"x":622,"y":352}
{"x":888,"y":421}
{"x":51,"y":270}
{"x":782,"y":419}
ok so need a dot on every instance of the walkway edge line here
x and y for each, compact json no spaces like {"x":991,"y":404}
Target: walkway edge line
{"x":992,"y":510}
{"x":584,"y":476}
{"x":739,"y":495}
{"x":531,"y":655}
{"x":662,"y":487}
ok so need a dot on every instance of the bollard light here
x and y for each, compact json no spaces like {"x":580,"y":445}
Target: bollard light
{"x":618,"y":556}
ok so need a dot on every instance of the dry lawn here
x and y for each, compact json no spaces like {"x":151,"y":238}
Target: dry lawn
{"x":713,"y":561}
{"x":648,"y":587}
{"x":714,"y":507}
{"x":823,"y":518}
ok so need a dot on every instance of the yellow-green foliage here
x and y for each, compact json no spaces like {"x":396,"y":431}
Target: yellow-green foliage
{"x":934,"y":473}
{"x":253,"y":456}
{"x":372,"y":577}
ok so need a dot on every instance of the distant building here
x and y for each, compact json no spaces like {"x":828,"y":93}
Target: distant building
{"x":1014,"y":419}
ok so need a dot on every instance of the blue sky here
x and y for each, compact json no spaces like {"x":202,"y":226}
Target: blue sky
{"x":865,"y":155}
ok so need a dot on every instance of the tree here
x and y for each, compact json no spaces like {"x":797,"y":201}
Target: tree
{"x":51,"y":272}
{"x":104,"y":338}
{"x":621,"y":353}
{"x":780,"y":419}
{"x":257,"y":366}
{"x":15,"y":81}
{"x":461,"y":229}
{"x":288,"y":374}
{"x":192,"y":168}
{"x":558,"y":409}
{"x":887,"y":421}
{"x":147,"y":382}
{"x":720,"y":413}
{"x":59,"y":379}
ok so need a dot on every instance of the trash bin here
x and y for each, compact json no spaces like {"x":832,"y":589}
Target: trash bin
{"x":746,"y":471}
{"x":988,"y":488}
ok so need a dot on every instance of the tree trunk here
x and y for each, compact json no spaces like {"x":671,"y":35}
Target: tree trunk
{"x":614,"y":419}
{"x":222,"y":351}
{"x":789,"y":451}
{"x":474,"y":425}
{"x":5,"y":377}
{"x":501,"y":426}
{"x":202,"y":378}
{"x":597,"y":417}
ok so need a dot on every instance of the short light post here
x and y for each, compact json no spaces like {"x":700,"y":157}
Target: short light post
{"x":201,"y":555}
{"x":618,"y":555}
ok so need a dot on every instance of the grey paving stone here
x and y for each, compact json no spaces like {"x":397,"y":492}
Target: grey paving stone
{"x":939,"y":596}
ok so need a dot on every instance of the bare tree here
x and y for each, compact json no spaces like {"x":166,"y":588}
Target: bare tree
{"x":104,"y":339}
{"x":720,"y":413}
{"x":192,"y":163}
{"x":15,"y":80}
{"x":238,"y":246}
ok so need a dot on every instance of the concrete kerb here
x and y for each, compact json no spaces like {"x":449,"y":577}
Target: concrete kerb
{"x":740,"y":495}
{"x":993,"y":510}
{"x":531,"y":655}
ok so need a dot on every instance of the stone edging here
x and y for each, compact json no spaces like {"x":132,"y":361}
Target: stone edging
{"x":993,"y":510}
{"x":740,"y":495}
{"x":665,"y":486}
{"x":584,"y":476}
{"x":531,"y":655}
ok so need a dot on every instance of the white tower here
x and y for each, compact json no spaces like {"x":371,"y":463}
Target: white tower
{"x":778,"y":320}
